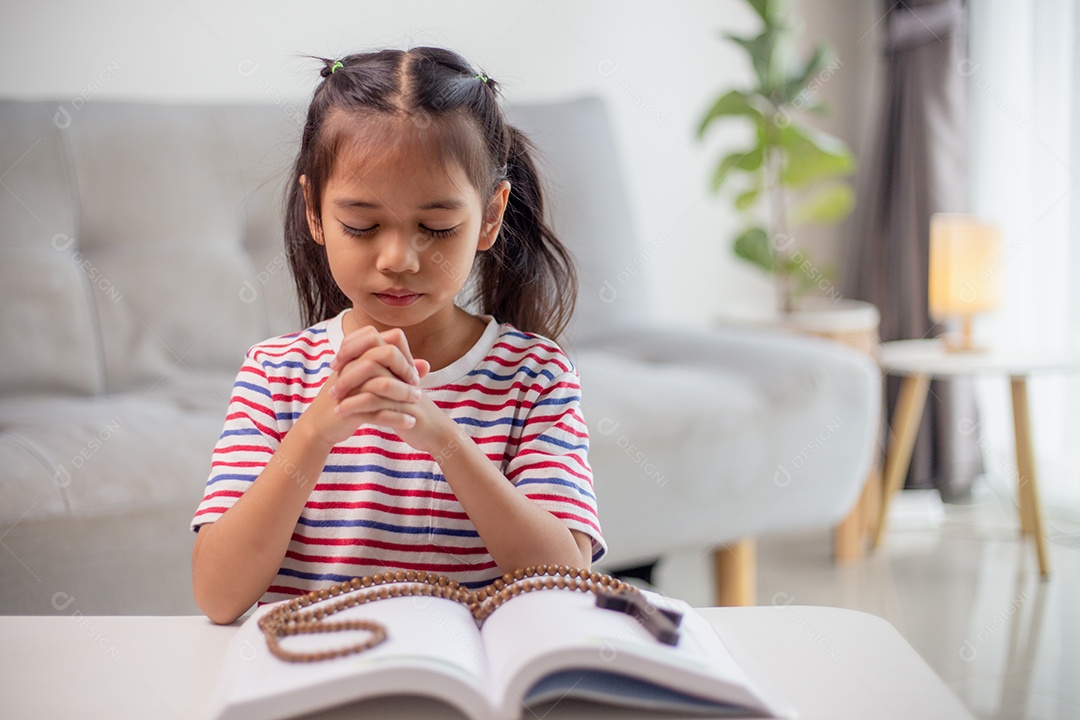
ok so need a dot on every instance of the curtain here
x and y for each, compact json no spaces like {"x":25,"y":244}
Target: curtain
{"x":1023,"y":84}
{"x":920,"y":167}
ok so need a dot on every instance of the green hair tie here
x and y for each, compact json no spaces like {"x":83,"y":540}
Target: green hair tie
{"x":337,"y":64}
{"x":482,"y":78}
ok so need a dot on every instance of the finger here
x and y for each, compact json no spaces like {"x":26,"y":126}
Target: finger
{"x":355,"y":344}
{"x":367,"y":406}
{"x":391,"y":357}
{"x":392,"y":388}
{"x":423,"y":367}
{"x":353,"y":376}
{"x":396,"y":337}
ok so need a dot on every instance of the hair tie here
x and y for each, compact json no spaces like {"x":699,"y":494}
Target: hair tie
{"x":337,"y":64}
{"x":482,"y":78}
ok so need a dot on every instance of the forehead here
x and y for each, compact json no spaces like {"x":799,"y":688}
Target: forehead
{"x":392,"y":154}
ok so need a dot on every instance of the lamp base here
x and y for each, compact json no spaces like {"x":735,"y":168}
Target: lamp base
{"x":965,"y":341}
{"x":954,"y":344}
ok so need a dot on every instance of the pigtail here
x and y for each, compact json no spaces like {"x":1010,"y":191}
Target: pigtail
{"x":527,"y":278}
{"x":318,"y":295}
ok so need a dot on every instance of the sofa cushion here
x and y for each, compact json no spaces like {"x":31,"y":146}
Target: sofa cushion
{"x":110,"y":454}
{"x":174,"y":309}
{"x":48,"y":333}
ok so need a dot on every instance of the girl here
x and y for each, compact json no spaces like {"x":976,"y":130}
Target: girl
{"x":399,"y":431}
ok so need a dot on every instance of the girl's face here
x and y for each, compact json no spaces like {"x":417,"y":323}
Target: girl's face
{"x":401,"y":231}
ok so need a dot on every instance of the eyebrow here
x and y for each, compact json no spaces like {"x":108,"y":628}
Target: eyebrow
{"x":449,"y":204}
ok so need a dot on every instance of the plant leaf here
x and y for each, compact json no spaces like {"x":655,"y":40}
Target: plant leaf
{"x":827,"y":206}
{"x":735,"y":102}
{"x":813,"y":155}
{"x":761,"y":50}
{"x":799,"y":79}
{"x":748,"y":160}
{"x":761,"y":7}
{"x":746,"y":199}
{"x":752,"y":245}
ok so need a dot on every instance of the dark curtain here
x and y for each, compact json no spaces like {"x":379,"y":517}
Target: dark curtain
{"x":920,"y":167}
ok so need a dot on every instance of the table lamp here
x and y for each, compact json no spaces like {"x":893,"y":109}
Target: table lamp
{"x":965,"y":273}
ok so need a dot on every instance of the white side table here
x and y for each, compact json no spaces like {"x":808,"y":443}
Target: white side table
{"x":917,"y":362}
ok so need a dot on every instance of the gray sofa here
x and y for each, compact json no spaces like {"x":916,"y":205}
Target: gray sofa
{"x":140,"y":255}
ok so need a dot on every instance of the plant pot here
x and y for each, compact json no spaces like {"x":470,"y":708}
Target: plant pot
{"x":852,"y":322}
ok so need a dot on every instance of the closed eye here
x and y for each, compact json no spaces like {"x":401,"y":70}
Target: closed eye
{"x":447,"y":232}
{"x":358,"y":232}
{"x":366,"y":232}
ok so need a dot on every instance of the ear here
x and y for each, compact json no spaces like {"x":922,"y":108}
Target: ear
{"x":312,"y":219}
{"x":493,"y":215}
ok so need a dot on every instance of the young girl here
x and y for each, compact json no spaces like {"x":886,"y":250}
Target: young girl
{"x":400,"y":431}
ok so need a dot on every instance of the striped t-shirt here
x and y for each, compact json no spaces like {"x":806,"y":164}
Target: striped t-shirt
{"x":382,"y":505}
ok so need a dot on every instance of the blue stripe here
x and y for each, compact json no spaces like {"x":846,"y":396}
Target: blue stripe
{"x":381,"y":470}
{"x":512,"y":422}
{"x":555,"y":481}
{"x":558,"y":401}
{"x":297,"y":364}
{"x":335,"y":577}
{"x":250,"y":386}
{"x":562,"y":443}
{"x":403,"y":529}
{"x":241,"y":431}
{"x":245,"y":478}
{"x":523,"y":369}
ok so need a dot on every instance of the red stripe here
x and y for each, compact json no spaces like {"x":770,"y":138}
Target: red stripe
{"x":571,"y":516}
{"x":294,"y":339}
{"x":264,"y":429}
{"x":546,"y":464}
{"x":239,"y":464}
{"x":395,"y":565}
{"x":561,"y":499}
{"x":289,"y":350}
{"x":384,"y":545}
{"x":384,"y":489}
{"x":389,"y":509}
{"x":242,"y":448}
{"x":519,"y":361}
{"x":254,"y":406}
{"x":296,"y":381}
{"x":375,"y":450}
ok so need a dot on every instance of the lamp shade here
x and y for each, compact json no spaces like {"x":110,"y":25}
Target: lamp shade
{"x":965,"y":266}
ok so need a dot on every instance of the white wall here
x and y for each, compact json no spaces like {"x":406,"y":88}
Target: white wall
{"x":658,"y":64}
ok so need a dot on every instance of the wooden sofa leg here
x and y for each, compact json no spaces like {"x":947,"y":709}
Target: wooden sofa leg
{"x":736,"y":573}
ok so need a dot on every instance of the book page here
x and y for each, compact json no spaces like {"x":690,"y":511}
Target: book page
{"x":537,"y":634}
{"x":432,"y":648}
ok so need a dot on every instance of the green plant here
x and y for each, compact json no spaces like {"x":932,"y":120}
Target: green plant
{"x":799,"y":172}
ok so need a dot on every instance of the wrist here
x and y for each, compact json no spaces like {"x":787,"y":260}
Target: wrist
{"x":306,"y":436}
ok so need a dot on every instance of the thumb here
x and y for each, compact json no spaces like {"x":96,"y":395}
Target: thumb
{"x":423,"y":367}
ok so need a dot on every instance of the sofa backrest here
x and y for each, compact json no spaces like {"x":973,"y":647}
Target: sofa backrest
{"x":138,"y":240}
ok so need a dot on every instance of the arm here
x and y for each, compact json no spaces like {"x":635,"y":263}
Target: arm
{"x":236,"y":557}
{"x":517,"y":530}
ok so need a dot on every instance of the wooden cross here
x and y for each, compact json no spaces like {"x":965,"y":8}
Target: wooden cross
{"x":662,"y":623}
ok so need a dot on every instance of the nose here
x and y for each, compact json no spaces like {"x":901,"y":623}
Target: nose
{"x":398,"y":253}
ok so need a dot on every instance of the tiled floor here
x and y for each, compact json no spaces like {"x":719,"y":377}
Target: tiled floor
{"x":965,"y":594}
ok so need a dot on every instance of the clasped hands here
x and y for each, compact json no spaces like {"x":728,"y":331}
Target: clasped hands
{"x":376,"y":380}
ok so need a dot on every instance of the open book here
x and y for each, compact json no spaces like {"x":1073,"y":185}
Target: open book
{"x":536,"y":648}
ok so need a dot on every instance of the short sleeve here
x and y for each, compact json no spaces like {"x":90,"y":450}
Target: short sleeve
{"x":551,"y":465}
{"x":248,"y":441}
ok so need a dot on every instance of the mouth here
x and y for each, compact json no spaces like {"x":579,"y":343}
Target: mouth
{"x":397,"y":298}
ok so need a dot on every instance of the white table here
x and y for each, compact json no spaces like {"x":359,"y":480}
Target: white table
{"x":917,"y":362}
{"x":827,"y":662}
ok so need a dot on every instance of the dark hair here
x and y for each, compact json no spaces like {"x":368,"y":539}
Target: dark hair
{"x":527,"y":277}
